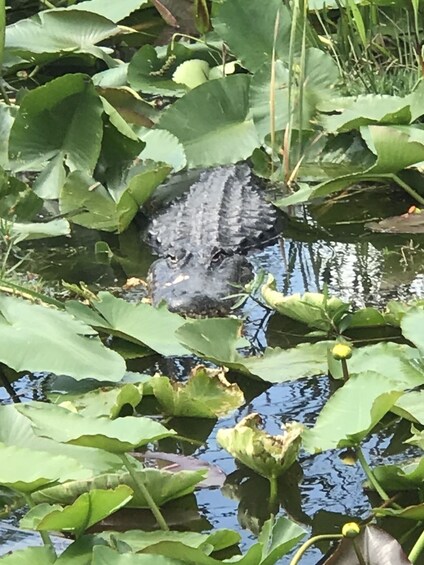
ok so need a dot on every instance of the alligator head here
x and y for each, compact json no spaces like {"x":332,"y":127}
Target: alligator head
{"x":193,"y":284}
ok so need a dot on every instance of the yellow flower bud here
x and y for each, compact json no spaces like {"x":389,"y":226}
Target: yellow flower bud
{"x":351,"y":530}
{"x":341,"y":351}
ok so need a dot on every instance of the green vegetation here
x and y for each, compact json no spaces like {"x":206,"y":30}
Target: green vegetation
{"x":101,"y":101}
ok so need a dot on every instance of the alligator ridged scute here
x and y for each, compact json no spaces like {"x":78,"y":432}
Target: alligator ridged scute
{"x":203,"y":237}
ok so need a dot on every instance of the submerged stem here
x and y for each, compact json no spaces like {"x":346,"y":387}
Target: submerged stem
{"x":142,"y":491}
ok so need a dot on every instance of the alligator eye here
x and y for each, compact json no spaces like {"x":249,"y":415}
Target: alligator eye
{"x":218,"y":256}
{"x":172,"y":258}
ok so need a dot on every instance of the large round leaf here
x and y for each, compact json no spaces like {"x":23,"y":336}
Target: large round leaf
{"x":59,"y":121}
{"x":39,"y":338}
{"x":212,"y":122}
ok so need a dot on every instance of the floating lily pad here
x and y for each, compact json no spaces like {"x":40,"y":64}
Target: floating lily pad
{"x":207,"y":394}
{"x":117,"y":436}
{"x":33,"y":555}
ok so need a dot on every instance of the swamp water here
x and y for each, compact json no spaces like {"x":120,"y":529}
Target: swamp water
{"x":356,"y":265}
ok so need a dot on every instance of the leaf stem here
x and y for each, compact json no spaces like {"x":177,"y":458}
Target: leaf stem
{"x":417,"y":549}
{"x":345,"y":370}
{"x":142,"y":491}
{"x":299,"y":553}
{"x":371,"y":477}
{"x":408,"y":189}
{"x":273,"y":490}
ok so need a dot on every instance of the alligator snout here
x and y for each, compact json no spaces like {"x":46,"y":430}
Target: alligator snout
{"x":198,"y":289}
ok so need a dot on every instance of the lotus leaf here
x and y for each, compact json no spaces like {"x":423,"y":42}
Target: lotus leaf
{"x":116,"y":436}
{"x":88,"y":509}
{"x":207,"y":394}
{"x":269,"y":456}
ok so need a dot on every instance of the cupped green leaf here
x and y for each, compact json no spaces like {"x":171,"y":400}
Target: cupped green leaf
{"x":116,"y":436}
{"x":225,"y":133}
{"x":278,"y":538}
{"x":207,"y":394}
{"x":412,"y":328}
{"x":39,"y":338}
{"x":104,"y":401}
{"x":361,"y":412}
{"x":268,"y":455}
{"x":312,"y":308}
{"x":403,"y":476}
{"x":88,"y":509}
{"x":62,"y":120}
{"x":163,"y":486}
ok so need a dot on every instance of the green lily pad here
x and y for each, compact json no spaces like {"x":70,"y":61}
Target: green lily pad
{"x":117,"y":436}
{"x":142,"y":323}
{"x":113,"y":11}
{"x":415,"y":512}
{"x":278,"y":537}
{"x":267,"y":455}
{"x":28,"y":470}
{"x":412,"y":326}
{"x":88,"y":509}
{"x":162,"y":485}
{"x":411,"y":406}
{"x":224,"y":133}
{"x":207,"y":394}
{"x":403,"y":476}
{"x":59,"y":343}
{"x":361,"y":412}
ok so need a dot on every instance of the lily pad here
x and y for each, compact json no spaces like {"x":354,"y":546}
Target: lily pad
{"x":33,"y":555}
{"x":88,"y":509}
{"x":117,"y":436}
{"x":207,"y":394}
{"x":221,"y":135}
{"x":331,"y":431}
{"x":269,"y":456}
{"x":59,"y":343}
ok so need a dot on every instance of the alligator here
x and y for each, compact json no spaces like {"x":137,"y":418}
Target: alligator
{"x":203,"y":237}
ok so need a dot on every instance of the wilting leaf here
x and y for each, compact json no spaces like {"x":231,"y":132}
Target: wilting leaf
{"x":116,"y":436}
{"x":312,"y":308}
{"x":331,"y":431}
{"x":222,"y":135}
{"x":28,"y":470}
{"x":207,"y":394}
{"x":40,"y":230}
{"x":374,"y":545}
{"x":88,"y":509}
{"x":58,"y":343}
{"x":162,"y":485}
{"x":267,"y":455}
{"x":417,"y":438}
{"x":104,"y":401}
